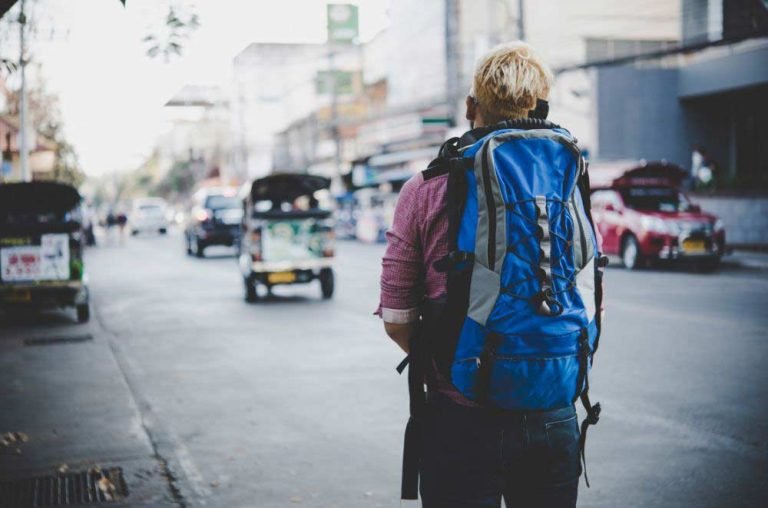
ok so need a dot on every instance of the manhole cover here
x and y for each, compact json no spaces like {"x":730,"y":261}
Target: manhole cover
{"x":59,"y":339}
{"x":90,"y":487}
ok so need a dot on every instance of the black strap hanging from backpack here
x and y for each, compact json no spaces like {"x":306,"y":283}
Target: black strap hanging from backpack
{"x":585,"y":355}
{"x":413,"y":430}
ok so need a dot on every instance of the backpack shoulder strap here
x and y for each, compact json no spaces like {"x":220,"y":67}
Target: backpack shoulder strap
{"x":593,"y":410}
{"x":441,"y":164}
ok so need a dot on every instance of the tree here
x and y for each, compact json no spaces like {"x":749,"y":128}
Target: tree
{"x":67,"y":167}
{"x":45,"y":118}
{"x":180,"y":22}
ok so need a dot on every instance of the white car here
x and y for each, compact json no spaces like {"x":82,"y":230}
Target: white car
{"x":148,"y":215}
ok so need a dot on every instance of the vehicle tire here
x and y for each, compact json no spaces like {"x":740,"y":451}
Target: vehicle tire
{"x":630,"y":253}
{"x":199,"y":248}
{"x":134,"y":232}
{"x":326,"y":282}
{"x":251,"y":291}
{"x":162,"y":231}
{"x":188,"y":243}
{"x":83,"y":312}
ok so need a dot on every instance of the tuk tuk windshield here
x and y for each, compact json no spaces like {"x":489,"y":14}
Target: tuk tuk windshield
{"x":297,"y":195}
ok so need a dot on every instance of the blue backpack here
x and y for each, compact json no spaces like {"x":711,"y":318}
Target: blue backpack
{"x":521,"y":320}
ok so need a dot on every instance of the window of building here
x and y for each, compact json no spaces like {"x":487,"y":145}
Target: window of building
{"x":600,"y":49}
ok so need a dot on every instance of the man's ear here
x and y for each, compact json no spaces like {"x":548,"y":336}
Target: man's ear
{"x":471,"y":109}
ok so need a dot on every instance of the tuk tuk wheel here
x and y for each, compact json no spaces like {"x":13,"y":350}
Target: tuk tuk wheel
{"x":326,"y":282}
{"x":251,"y":292}
{"x":83,"y":313}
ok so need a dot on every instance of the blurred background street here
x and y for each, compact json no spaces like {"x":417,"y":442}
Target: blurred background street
{"x":296,"y":400}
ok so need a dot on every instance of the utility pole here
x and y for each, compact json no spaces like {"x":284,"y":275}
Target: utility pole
{"x":521,"y":20}
{"x":23,"y":106}
{"x":335,"y":132}
{"x":452,"y":57}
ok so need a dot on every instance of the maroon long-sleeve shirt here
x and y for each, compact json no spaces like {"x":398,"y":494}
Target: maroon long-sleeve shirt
{"x":418,"y":238}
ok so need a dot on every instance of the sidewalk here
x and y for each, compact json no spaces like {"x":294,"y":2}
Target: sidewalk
{"x":67,"y":413}
{"x":747,"y":259}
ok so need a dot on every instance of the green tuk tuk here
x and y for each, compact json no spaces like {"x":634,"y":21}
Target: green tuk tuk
{"x":286,"y":236}
{"x":41,"y":247}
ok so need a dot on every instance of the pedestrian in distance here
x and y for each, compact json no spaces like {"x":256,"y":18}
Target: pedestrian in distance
{"x":697,"y":163}
{"x":110,"y":221}
{"x":492,"y":283}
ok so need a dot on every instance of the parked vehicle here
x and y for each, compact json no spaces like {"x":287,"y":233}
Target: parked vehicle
{"x":214,"y":219}
{"x":148,"y":215}
{"x":41,"y":245}
{"x":643,"y":216}
{"x":287,"y":236}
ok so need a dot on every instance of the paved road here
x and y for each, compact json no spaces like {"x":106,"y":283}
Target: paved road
{"x":294,"y":400}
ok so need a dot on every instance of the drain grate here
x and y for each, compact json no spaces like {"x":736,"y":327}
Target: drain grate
{"x":91,"y":487}
{"x":65,"y":339}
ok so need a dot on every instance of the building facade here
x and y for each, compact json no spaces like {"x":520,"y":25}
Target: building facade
{"x":712,"y":95}
{"x":277,"y":84}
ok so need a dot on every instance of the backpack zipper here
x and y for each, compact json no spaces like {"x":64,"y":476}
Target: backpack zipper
{"x":491,"y":209}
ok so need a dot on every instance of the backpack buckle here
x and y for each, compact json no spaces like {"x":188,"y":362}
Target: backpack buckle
{"x":593,"y":415}
{"x":545,"y":303}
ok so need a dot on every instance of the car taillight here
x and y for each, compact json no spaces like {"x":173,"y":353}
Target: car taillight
{"x":203,"y":215}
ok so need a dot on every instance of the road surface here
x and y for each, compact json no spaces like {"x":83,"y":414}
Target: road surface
{"x":294,"y":401}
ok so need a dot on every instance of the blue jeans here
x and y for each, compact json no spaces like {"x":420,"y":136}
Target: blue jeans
{"x":472,"y":457}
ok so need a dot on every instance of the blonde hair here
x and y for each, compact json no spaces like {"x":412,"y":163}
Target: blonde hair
{"x":508,"y":80}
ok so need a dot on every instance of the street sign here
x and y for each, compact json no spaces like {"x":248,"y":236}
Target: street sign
{"x":342,"y":23}
{"x":436,"y":120}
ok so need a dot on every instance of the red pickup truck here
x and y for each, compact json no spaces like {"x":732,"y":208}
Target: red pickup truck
{"x":643,"y":216}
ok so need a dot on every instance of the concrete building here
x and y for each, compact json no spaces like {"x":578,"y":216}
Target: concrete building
{"x":42,"y":152}
{"x":427,"y":56}
{"x":713,"y":93}
{"x":274,"y":86}
{"x":567,"y":35}
{"x":42,"y":155}
{"x":199,"y":121}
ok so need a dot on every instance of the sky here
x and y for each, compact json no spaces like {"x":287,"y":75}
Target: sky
{"x":111,"y":94}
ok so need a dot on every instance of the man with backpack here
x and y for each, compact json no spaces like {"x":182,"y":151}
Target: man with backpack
{"x":491,"y":283}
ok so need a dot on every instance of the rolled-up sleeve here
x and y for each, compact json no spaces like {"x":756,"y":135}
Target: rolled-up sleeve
{"x":402,"y":274}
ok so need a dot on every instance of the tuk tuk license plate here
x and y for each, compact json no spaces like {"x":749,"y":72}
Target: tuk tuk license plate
{"x":18,"y":296}
{"x":281,"y":277}
{"x":694,"y":246}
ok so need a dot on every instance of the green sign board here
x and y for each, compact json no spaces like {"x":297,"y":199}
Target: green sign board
{"x":436,"y":120}
{"x":342,"y":23}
